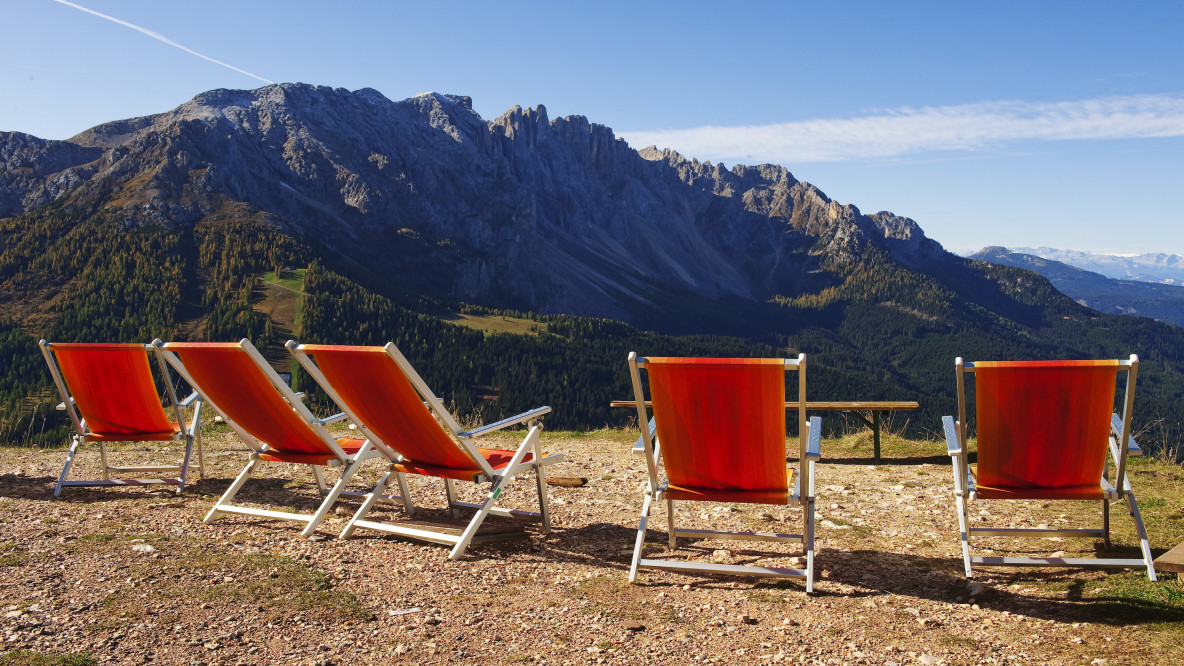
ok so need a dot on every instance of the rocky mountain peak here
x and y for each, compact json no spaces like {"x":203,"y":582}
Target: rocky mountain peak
{"x":491,"y":207}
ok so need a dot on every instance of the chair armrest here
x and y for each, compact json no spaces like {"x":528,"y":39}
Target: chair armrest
{"x":814,"y":445}
{"x":1132,"y":447}
{"x":193,"y":397}
{"x":331,"y":419}
{"x":639,"y":445}
{"x":61,"y":406}
{"x":506,"y":423}
{"x":952,"y":442}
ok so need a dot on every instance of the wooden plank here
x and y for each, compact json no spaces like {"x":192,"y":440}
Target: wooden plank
{"x":1173,"y":560}
{"x":491,"y":528}
{"x":861,"y":405}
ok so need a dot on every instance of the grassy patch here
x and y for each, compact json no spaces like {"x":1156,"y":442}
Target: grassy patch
{"x":11,"y":555}
{"x":278,"y":586}
{"x":29,"y":658}
{"x":491,"y":324}
{"x":1130,"y":596}
{"x":763,"y":597}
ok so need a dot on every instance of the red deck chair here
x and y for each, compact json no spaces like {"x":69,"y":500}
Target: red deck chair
{"x":1045,"y":430}
{"x":389,"y":402}
{"x":718,"y":430}
{"x":110,"y":396}
{"x":269,"y":417}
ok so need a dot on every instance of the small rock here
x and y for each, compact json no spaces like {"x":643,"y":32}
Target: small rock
{"x":143,"y":548}
{"x":975,"y":589}
{"x":634,"y":626}
{"x":721,"y":557}
{"x":747,"y":619}
{"x":927,"y":659}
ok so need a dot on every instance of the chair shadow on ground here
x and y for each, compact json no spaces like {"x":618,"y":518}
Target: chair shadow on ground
{"x":942,"y":580}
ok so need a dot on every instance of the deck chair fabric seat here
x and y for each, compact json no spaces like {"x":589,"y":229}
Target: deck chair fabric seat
{"x":718,"y":434}
{"x":110,"y":395}
{"x":269,"y":418}
{"x":390,"y":403}
{"x":1046,"y":430}
{"x":773,"y":496}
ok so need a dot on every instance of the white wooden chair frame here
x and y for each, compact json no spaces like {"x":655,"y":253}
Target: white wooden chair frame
{"x":802,"y":494}
{"x":1119,"y":489}
{"x":467,"y":440}
{"x":349,"y":464}
{"x":190,"y":434}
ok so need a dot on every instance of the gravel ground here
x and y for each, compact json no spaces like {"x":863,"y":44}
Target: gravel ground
{"x":132,"y":575}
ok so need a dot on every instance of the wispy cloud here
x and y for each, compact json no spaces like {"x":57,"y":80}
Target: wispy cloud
{"x":890,"y":133}
{"x":159,"y":37}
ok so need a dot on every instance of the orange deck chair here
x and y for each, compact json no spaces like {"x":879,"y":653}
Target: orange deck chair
{"x":718,"y":430}
{"x":390,"y":403}
{"x":110,"y":395}
{"x":1045,"y":430}
{"x":269,"y":417}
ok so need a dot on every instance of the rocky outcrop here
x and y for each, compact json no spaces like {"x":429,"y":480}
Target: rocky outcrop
{"x":35,"y":171}
{"x":521,"y":211}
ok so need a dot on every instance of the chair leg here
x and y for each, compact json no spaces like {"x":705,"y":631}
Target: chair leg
{"x":406,"y":491}
{"x":201,"y":459}
{"x":184,"y":476}
{"x":1106,"y":521}
{"x":670,"y":521}
{"x":368,"y":504}
{"x":234,"y":488}
{"x":331,"y":497}
{"x":1144,"y":543}
{"x":639,"y":543}
{"x":450,"y":491}
{"x":74,"y":442}
{"x":544,"y":505}
{"x":319,"y":475}
{"x":964,"y":527}
{"x":103,"y":461}
{"x":475,"y":523}
{"x":808,"y":536}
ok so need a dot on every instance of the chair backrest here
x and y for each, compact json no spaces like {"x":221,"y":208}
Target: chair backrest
{"x":721,"y":421}
{"x":1044,"y":424}
{"x":112,"y":388}
{"x":237,"y":381}
{"x":388,"y":401}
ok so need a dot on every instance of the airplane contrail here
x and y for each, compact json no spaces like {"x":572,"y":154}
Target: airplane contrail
{"x":159,"y":37}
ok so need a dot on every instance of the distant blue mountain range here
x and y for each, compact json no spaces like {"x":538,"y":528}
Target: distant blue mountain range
{"x":1155,"y":293}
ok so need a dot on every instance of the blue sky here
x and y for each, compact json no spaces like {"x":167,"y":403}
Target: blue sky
{"x":1008,"y":123}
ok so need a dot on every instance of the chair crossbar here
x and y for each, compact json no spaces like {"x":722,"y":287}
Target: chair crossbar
{"x":1024,"y":531}
{"x":1058,"y":562}
{"x":250,"y":511}
{"x":738,"y":536}
{"x":144,"y":468}
{"x":734,"y":569}
{"x":411,"y":532}
{"x":123,"y":482}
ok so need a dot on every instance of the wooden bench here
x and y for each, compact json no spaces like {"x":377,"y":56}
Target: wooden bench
{"x":868,"y":411}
